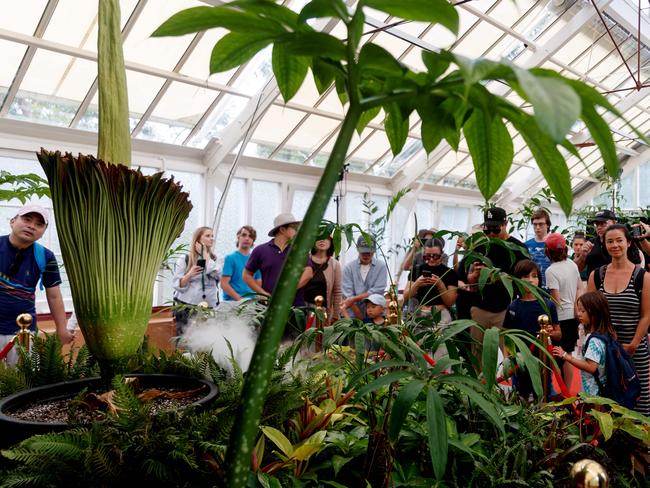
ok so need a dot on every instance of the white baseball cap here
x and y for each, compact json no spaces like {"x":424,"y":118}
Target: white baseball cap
{"x":37,"y":209}
{"x":377,"y":299}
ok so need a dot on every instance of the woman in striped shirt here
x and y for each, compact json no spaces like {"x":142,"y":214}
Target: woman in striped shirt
{"x":630,"y":310}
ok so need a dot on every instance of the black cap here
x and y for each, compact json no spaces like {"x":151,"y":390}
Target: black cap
{"x":494,"y":216}
{"x":604,"y":215}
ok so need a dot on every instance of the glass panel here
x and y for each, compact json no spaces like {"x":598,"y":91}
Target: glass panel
{"x":424,"y":211}
{"x":11,"y":54}
{"x":53,"y":88}
{"x":198,"y":63}
{"x":301,"y":201}
{"x":644,"y":188}
{"x":312,"y":133}
{"x":453,"y":218}
{"x":177,"y":113}
{"x":276,"y":124}
{"x":222,"y":116}
{"x":627,"y":191}
{"x":161,"y":52}
{"x":23,"y":16}
{"x":265,"y":206}
{"x":232,"y":217}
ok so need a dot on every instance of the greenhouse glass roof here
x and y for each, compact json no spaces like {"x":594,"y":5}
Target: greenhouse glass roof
{"x":48,"y":77}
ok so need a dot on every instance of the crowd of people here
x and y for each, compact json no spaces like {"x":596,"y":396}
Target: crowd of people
{"x":598,"y":284}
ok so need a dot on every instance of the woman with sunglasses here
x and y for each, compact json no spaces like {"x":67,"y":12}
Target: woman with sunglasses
{"x":432,"y":284}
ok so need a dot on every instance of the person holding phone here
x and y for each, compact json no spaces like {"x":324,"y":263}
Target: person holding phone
{"x":196,"y":278}
{"x":432,"y":284}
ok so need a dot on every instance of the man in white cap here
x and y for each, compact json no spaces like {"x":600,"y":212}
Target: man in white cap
{"x":268,"y":258}
{"x":23,"y":263}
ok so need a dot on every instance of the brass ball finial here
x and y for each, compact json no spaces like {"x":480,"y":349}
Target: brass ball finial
{"x":543,"y":320}
{"x":587,"y":473}
{"x":204,"y":305}
{"x":319,"y":300}
{"x":24,"y":321}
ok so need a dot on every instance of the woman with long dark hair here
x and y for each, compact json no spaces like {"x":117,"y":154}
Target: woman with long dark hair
{"x":326,"y":281}
{"x":629,"y":303}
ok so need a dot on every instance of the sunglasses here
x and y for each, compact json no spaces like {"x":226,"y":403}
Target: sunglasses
{"x":493,"y":229}
{"x":431,"y":256}
{"x":15,"y":265}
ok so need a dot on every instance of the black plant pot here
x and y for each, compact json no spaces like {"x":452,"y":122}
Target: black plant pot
{"x":13,"y":430}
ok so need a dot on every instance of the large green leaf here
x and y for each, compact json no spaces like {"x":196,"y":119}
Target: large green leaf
{"x":602,"y":136}
{"x":433,"y":11}
{"x":557,"y":105}
{"x":530,"y":363}
{"x":397,"y":128}
{"x":269,"y":10}
{"x":380,"y":382}
{"x":316,"y":44}
{"x":279,"y":439}
{"x":437,"y":430}
{"x":489,"y":356}
{"x":375,"y":60}
{"x":475,"y":70}
{"x":199,"y":19}
{"x":550,"y":161}
{"x":289,"y":70}
{"x":366,"y":117}
{"x":236,"y":48}
{"x":605,"y":422}
{"x":490,"y":146}
{"x":436,"y":63}
{"x":324,"y":8}
{"x":403,"y":403}
{"x":324,"y":74}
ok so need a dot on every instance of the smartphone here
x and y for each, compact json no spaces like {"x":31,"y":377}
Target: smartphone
{"x":427,"y":274}
{"x":200,"y":262}
{"x":636,"y":232}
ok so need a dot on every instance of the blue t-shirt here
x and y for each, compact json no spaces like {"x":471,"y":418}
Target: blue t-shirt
{"x":523,"y":314}
{"x":538,"y":256}
{"x":233,"y":266}
{"x":17,"y":292}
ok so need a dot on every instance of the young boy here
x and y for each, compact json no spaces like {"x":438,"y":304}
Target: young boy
{"x":375,"y":309}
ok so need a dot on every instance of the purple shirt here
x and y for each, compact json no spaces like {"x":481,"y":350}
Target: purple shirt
{"x":269,"y":260}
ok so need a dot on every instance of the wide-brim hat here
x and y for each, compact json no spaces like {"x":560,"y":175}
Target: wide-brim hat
{"x":282,"y":220}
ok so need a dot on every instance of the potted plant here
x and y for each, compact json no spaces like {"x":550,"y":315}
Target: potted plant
{"x":450,"y":97}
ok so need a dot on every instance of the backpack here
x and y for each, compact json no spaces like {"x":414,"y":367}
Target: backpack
{"x":622,"y":383}
{"x":637,"y":278}
{"x":39,"y":256}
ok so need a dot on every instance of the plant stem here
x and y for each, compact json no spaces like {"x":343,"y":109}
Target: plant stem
{"x":238,"y":457}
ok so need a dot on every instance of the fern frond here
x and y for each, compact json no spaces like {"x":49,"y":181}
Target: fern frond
{"x":156,"y":468}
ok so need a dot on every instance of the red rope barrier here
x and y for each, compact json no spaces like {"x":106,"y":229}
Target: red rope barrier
{"x":7,"y":348}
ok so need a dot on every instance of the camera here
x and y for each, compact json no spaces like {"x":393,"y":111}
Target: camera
{"x":200,"y":262}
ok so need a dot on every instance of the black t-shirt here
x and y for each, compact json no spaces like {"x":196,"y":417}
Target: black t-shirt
{"x":429,"y":295}
{"x":317,"y":285}
{"x":599,"y":256}
{"x":495,"y":297}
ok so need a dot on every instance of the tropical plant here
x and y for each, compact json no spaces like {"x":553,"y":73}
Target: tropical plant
{"x":23,"y":187}
{"x":115,"y":225}
{"x":450,"y":96}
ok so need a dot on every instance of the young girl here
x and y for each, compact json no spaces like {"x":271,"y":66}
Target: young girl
{"x":593,"y":314}
{"x":523,"y":313}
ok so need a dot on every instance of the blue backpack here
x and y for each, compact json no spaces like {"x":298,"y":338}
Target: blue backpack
{"x":39,"y":256}
{"x":622,"y":383}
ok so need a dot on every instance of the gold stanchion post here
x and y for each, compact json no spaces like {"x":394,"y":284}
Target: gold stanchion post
{"x":544,"y":339}
{"x":24,"y":322}
{"x":320,"y":316}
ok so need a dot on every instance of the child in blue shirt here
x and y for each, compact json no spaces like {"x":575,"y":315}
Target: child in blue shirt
{"x":523,"y":314}
{"x":593,"y":314}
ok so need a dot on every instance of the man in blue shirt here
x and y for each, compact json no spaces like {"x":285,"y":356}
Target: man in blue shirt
{"x":361,"y":278}
{"x":541,"y":222}
{"x":232,"y":283}
{"x":20,"y":273}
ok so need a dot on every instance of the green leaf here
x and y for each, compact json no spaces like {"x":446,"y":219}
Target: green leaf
{"x":405,"y":399}
{"x":366,"y":118}
{"x":490,"y":146}
{"x":199,"y":19}
{"x":355,"y":29}
{"x":396,"y":127}
{"x":490,"y":356}
{"x":531,"y":363}
{"x":309,"y":446}
{"x":605,"y":422}
{"x":324,"y":74}
{"x":324,"y":8}
{"x":602,"y":136}
{"x":433,"y":11}
{"x":316,"y":44}
{"x":475,"y":70}
{"x":557,"y":106}
{"x":289,"y":70}
{"x":338,"y":462}
{"x":436,"y":125}
{"x":436,"y":63}
{"x":548,"y":158}
{"x":235,"y":49}
{"x":375,"y":60}
{"x":279,"y":439}
{"x":341,"y":91}
{"x":437,"y":430}
{"x":380,"y":382}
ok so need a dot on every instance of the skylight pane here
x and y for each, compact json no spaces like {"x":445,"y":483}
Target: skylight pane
{"x":22,"y":16}
{"x":11,"y":54}
{"x":312,"y":133}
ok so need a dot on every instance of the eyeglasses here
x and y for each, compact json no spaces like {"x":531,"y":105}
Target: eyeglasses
{"x":15,"y":265}
{"x":539,"y":224}
{"x":431,"y":256}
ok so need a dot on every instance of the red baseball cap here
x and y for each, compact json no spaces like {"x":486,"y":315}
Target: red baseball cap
{"x":555,"y":242}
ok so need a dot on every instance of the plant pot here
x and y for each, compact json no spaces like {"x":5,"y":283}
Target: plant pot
{"x":14,"y":430}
